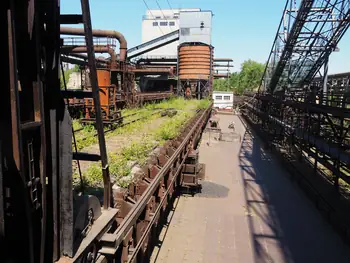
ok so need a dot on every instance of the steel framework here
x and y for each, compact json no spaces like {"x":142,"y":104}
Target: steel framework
{"x":304,"y":114}
{"x":306,"y":36}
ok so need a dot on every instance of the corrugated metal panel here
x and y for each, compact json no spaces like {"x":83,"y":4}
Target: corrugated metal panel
{"x":195,"y":27}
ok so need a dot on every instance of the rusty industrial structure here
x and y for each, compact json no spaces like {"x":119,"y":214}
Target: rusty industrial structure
{"x":303,"y":116}
{"x":36,"y":183}
{"x":301,"y":111}
{"x":196,"y":69}
{"x":117,"y":76}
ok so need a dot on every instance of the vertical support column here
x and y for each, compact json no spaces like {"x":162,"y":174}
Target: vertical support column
{"x":15,"y":115}
{"x":179,"y":86}
{"x":15,"y":124}
{"x":318,"y":133}
{"x":199,"y":89}
{"x":39,"y":117}
{"x":96,"y":96}
{"x":2,"y":213}
{"x":211,"y":81}
{"x":66,"y":185}
{"x":337,"y":173}
{"x":325,"y":80}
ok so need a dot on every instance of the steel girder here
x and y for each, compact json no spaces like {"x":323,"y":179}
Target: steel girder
{"x":306,"y":36}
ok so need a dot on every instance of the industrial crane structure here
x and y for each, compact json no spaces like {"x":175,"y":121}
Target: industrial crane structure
{"x":307,"y":34}
{"x":299,"y":111}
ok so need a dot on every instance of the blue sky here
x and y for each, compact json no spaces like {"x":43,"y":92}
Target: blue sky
{"x":241,"y":29}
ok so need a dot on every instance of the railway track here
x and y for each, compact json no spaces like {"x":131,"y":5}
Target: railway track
{"x":114,"y":127}
{"x":119,"y":119}
{"x":140,"y":210}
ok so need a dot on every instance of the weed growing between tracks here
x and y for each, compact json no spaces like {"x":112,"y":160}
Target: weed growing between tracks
{"x":87,"y":133}
{"x":138,"y":150}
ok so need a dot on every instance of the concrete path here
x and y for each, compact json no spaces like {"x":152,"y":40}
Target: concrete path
{"x":248,"y":211}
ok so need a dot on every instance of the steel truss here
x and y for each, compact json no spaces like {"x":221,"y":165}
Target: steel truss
{"x":306,"y":36}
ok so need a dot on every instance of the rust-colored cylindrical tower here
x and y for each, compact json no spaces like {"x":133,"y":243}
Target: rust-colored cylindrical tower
{"x":195,"y":69}
{"x":195,"y":62}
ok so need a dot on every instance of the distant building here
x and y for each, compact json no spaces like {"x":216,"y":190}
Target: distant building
{"x":223,"y":99}
{"x":158,"y":22}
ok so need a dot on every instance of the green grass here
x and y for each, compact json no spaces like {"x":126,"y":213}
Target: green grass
{"x":139,"y":149}
{"x":77,"y":125}
{"x":170,"y":128}
{"x":85,"y":137}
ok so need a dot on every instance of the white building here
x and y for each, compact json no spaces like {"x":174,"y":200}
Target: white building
{"x":160,"y":22}
{"x":223,"y":99}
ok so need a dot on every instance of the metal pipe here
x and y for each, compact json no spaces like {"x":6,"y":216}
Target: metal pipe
{"x":98,"y":49}
{"x":85,"y":57}
{"x":100,"y":33}
{"x":73,"y":60}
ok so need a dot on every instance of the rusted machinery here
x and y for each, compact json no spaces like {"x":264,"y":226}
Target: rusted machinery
{"x":116,"y":78}
{"x":108,"y":97}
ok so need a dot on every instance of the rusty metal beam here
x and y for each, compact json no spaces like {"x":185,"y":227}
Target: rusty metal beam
{"x":70,"y":19}
{"x":223,"y":60}
{"x":97,"y":102}
{"x":80,"y":62}
{"x":97,"y":49}
{"x":152,"y":70}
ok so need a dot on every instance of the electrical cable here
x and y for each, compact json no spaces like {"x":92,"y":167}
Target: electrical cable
{"x":170,"y":6}
{"x":176,"y":21}
{"x":161,"y":10}
{"x":153,"y":16}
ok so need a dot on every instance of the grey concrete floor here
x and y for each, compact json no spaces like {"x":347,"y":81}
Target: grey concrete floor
{"x":248,"y":211}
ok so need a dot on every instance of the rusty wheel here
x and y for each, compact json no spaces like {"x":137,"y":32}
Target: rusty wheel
{"x":90,"y":255}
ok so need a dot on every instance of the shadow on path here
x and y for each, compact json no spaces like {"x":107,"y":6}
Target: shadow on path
{"x":283,"y":224}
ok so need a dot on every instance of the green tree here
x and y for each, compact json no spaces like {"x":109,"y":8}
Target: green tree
{"x":222,"y":85}
{"x":76,"y":68}
{"x":250,"y":76}
{"x":248,"y":79}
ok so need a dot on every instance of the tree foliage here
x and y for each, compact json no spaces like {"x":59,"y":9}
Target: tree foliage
{"x":248,"y":79}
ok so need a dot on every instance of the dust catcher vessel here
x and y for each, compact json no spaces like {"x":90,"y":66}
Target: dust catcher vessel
{"x":195,"y":55}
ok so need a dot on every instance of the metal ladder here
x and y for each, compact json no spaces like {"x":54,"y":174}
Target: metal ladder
{"x":85,"y":19}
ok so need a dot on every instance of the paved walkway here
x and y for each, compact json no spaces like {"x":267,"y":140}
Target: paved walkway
{"x":248,"y":211}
